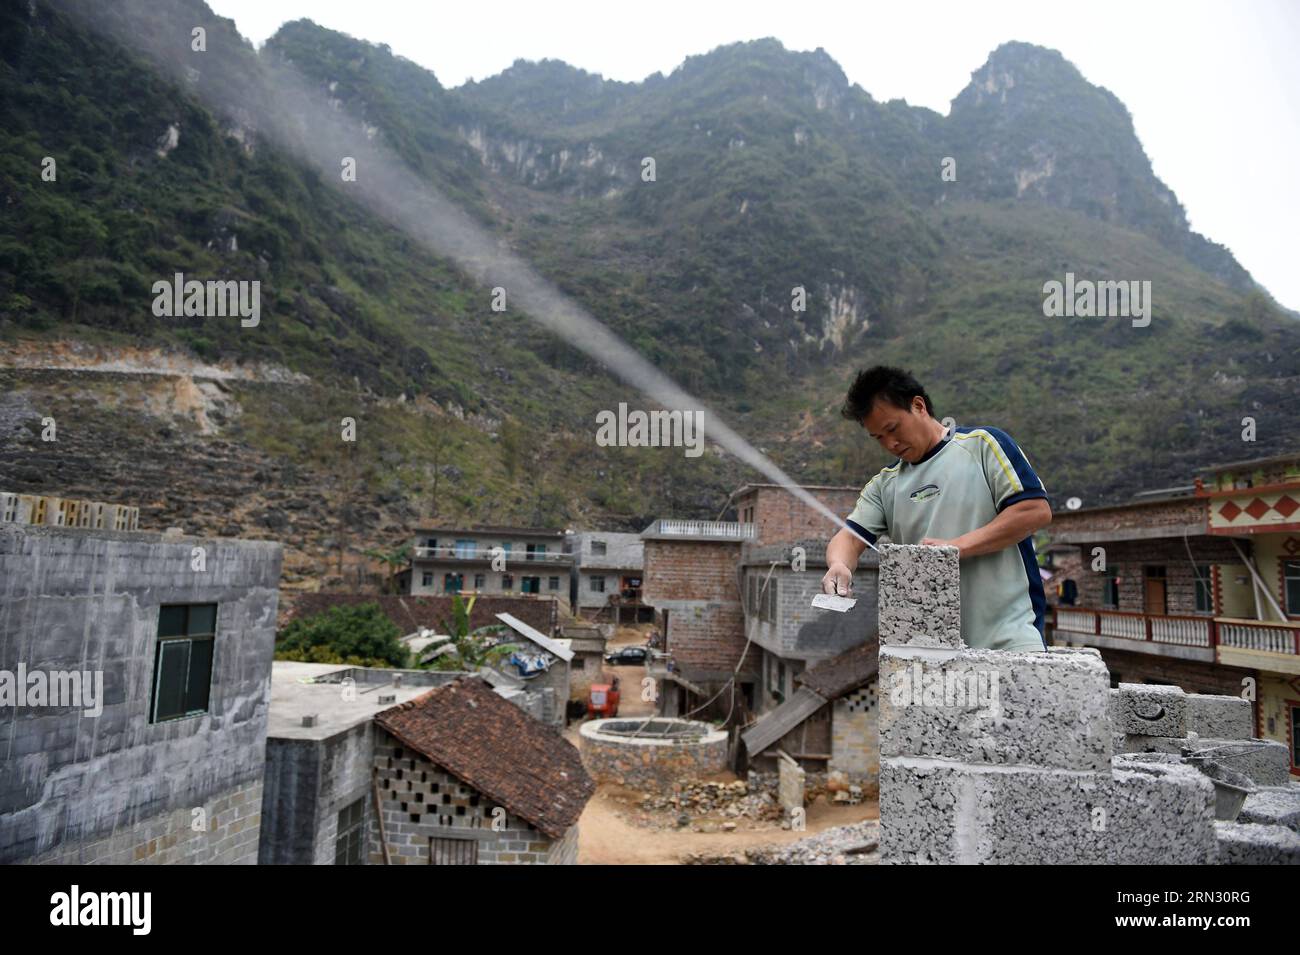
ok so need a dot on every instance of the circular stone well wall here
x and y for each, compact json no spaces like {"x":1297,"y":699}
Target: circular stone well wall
{"x":651,"y":753}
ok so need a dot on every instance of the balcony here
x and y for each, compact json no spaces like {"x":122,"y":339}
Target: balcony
{"x":513,"y":558}
{"x":1209,"y":638}
{"x":700,"y":530}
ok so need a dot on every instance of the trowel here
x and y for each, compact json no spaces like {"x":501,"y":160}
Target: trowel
{"x":833,"y":602}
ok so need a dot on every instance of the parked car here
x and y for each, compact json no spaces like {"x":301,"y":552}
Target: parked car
{"x":627,"y":656}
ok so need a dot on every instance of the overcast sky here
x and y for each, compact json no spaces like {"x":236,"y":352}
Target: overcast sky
{"x":1213,"y":85}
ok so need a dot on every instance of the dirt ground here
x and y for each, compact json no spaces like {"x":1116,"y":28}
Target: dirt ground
{"x":604,"y":838}
{"x":607,"y":837}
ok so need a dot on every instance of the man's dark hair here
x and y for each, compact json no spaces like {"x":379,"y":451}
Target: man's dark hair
{"x":894,"y":385}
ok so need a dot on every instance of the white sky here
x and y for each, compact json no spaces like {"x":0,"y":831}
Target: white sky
{"x":1213,"y":85}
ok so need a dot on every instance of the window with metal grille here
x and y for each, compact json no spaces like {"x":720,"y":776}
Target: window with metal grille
{"x":1291,"y":585}
{"x":453,"y":851}
{"x":182,"y":676}
{"x":1110,"y":588}
{"x":1204,"y":589}
{"x":350,"y":842}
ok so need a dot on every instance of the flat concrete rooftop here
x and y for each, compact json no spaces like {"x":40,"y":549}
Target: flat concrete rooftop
{"x":294,"y":695}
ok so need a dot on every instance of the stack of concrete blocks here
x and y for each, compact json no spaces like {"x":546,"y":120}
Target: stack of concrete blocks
{"x":1006,"y":757}
{"x":1148,"y":719}
{"x":67,"y":512}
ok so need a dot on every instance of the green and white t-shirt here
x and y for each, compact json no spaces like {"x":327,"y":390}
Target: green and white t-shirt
{"x":961,"y":484}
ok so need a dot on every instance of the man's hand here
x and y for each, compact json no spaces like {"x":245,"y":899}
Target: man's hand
{"x":838,"y":580}
{"x":939,"y":542}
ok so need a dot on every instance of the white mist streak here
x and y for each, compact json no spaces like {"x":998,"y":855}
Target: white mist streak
{"x":299,"y":119}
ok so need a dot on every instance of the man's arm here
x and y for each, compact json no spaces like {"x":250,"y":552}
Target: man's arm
{"x":1011,"y":526}
{"x":842,"y":555}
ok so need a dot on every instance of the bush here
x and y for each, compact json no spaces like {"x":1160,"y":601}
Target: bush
{"x":357,"y":635}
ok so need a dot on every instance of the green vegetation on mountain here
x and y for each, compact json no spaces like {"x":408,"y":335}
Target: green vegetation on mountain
{"x":772,"y":173}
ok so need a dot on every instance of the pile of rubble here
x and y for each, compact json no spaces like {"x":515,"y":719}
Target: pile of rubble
{"x":857,"y":844}
{"x":735,"y":800}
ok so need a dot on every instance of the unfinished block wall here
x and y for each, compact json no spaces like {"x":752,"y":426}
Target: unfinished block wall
{"x":1001,"y":757}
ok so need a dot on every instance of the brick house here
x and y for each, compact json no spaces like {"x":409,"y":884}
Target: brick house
{"x":467,"y":778}
{"x":739,"y":594}
{"x":1197,"y":586}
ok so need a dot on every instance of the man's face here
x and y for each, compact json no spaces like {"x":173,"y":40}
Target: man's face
{"x":904,"y":433}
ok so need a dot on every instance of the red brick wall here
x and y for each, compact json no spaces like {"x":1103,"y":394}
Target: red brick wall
{"x":1129,"y":560}
{"x":782,"y":518}
{"x":410,"y":613}
{"x":1168,"y":514}
{"x":690,"y":570}
{"x":708,"y":635}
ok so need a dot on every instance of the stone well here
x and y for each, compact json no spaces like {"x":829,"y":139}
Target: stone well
{"x":652,"y":754}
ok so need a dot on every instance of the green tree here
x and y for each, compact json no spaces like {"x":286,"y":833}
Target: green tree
{"x":395,"y":560}
{"x":358,"y":635}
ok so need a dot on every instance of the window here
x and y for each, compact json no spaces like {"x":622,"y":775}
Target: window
{"x":478,"y":581}
{"x":507,"y":582}
{"x":1291,"y":586}
{"x":453,"y":851}
{"x":1204,"y":589}
{"x":598,"y":548}
{"x":552,"y":583}
{"x":426,"y":579}
{"x":535,"y":552}
{"x":1110,"y":588}
{"x":182,"y":676}
{"x":350,"y":843}
{"x":465,"y":549}
{"x":598,"y":585}
{"x":1295,"y":736}
{"x":431,"y":542}
{"x":530,"y":585}
{"x":452,"y":583}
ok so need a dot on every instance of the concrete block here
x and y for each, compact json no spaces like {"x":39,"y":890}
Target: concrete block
{"x":1220,"y":717}
{"x":1129,"y":743}
{"x":1143,"y":709}
{"x":935,"y":812}
{"x":1245,"y":843}
{"x":1275,"y":806}
{"x":1266,"y":762}
{"x":995,"y":707}
{"x":920,"y":596}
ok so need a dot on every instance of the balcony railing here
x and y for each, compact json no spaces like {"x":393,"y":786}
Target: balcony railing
{"x":706,"y":529}
{"x":1185,"y":631}
{"x":513,"y":557}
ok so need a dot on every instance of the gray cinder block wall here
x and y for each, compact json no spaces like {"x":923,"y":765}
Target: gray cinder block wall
{"x":117,"y":788}
{"x":450,"y":809}
{"x":998,"y":757}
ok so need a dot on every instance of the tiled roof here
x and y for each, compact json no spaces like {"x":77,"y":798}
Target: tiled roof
{"x":844,"y":673}
{"x":497,"y":748}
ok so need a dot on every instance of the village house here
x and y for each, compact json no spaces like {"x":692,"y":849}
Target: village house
{"x":736,"y":597}
{"x":489,"y":560}
{"x":464,"y":777}
{"x":608,"y":569}
{"x":1197,"y":586}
